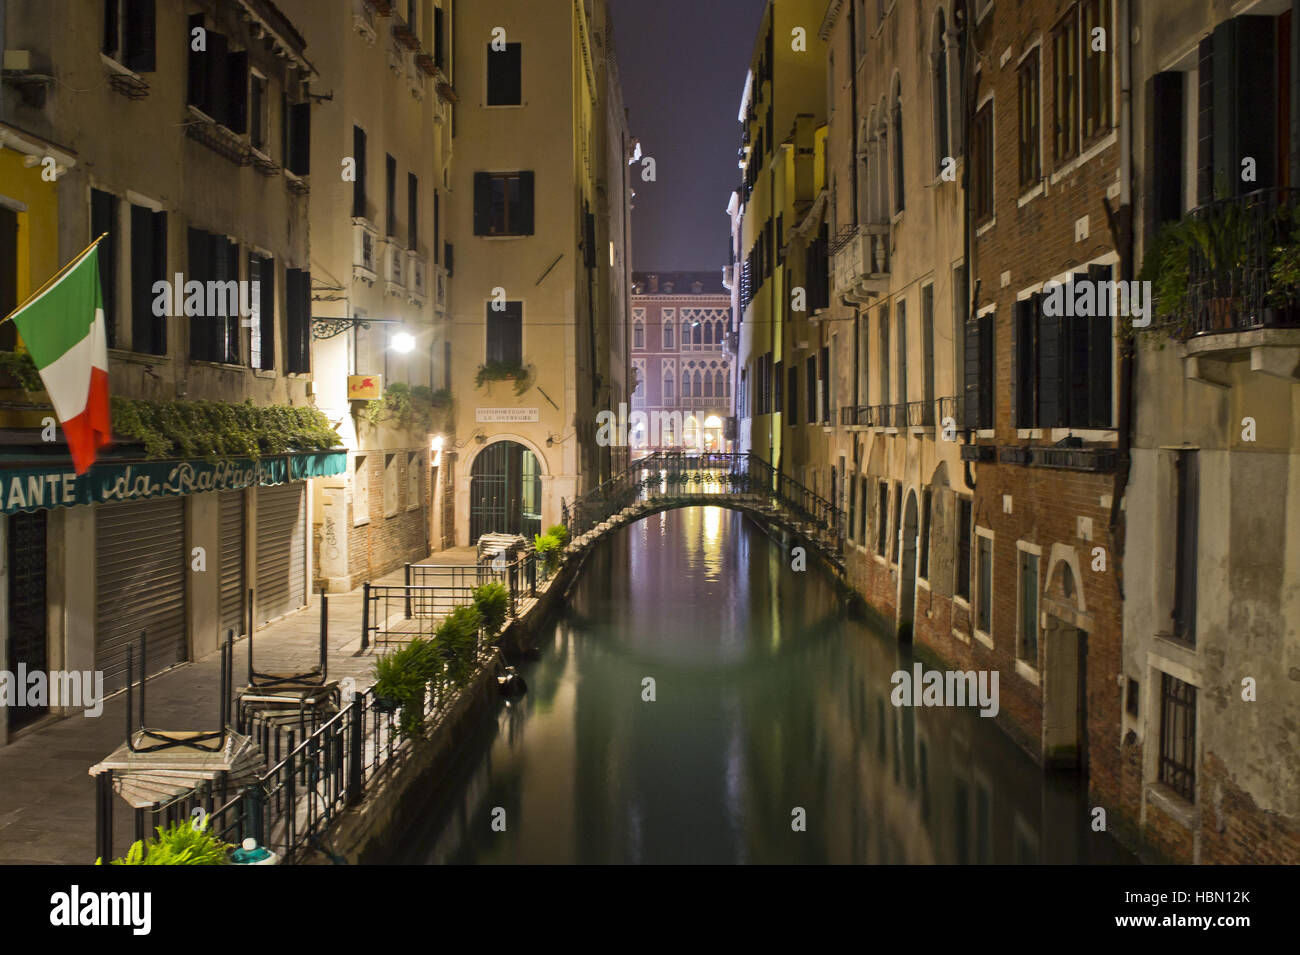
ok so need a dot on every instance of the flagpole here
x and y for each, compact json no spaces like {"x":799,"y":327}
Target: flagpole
{"x":54,"y":278}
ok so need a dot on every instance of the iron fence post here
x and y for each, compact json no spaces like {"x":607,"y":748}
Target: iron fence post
{"x":104,"y":815}
{"x":357,"y":719}
{"x":324,"y":634}
{"x":365,"y":615}
{"x":408,"y":590}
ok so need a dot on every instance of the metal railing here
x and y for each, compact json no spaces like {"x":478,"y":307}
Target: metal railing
{"x":920,"y":414}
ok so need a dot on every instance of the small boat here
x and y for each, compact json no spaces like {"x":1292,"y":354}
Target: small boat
{"x":510,"y":683}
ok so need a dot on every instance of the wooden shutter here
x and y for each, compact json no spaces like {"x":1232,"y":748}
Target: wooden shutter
{"x":359,"y":185}
{"x":524,"y":222}
{"x":142,"y":278}
{"x":197,"y":269}
{"x":482,"y":203}
{"x":439,"y":60}
{"x":141,"y":29}
{"x":1076,"y":356}
{"x":1205,"y":121}
{"x":300,"y":138}
{"x":218,"y":63}
{"x":987,"y":369}
{"x":197,"y":62}
{"x":1025,"y":372}
{"x":267,"y":315}
{"x":158,"y":225}
{"x":103,"y":219}
{"x":1164,"y":120}
{"x":237,"y":91}
{"x":412,"y":212}
{"x":972,"y":389}
{"x":1049,"y":369}
{"x":1101,"y":359}
{"x":1256,"y":100}
{"x":297,"y":298}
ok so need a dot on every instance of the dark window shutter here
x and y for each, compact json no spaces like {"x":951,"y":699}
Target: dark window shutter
{"x":1101,"y":359}
{"x":140,"y":36}
{"x":1022,"y":346}
{"x":505,"y":75}
{"x":197,"y":68}
{"x":196,"y":261}
{"x":215,"y":324}
{"x":233,"y":320}
{"x":987,"y":369}
{"x":438,"y":56}
{"x":297,"y":292}
{"x":237,"y":91}
{"x":524,"y":222}
{"x":972,"y":390}
{"x":447,"y":258}
{"x":267,"y":312}
{"x":390,"y":195}
{"x":1255,"y":115}
{"x":1205,"y":122}
{"x":300,"y":138}
{"x":482,"y":203}
{"x":218,"y":62}
{"x":359,"y":184}
{"x":103,"y":219}
{"x":1164,"y":119}
{"x":412,"y":212}
{"x":110,"y":27}
{"x":159,"y":337}
{"x":142,"y":278}
{"x":1077,"y":361}
{"x":1049,"y":370}
{"x":505,"y":333}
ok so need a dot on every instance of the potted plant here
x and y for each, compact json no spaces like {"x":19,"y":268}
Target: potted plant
{"x":519,"y":373}
{"x":182,"y":843}
{"x":548,"y":548}
{"x":492,"y":601}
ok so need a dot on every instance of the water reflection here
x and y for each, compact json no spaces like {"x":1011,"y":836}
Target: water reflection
{"x":768,"y":699}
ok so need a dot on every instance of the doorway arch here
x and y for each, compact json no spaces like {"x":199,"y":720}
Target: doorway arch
{"x":505,"y":491}
{"x":907,"y":570}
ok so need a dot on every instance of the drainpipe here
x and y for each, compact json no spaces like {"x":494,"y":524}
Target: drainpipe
{"x":853,"y":106}
{"x":1122,"y":232}
{"x":968,"y":115}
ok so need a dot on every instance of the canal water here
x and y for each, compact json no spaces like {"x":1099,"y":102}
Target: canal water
{"x":771,"y":706}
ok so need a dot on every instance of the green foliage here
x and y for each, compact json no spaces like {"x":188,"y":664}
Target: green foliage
{"x":403,"y":675}
{"x":492,"y":601}
{"x":1165,"y":266}
{"x":216,"y":429}
{"x":19,"y":365}
{"x":560,"y":533}
{"x":457,"y":641}
{"x":549,"y":549}
{"x":1284,"y":264}
{"x":180,"y":844}
{"x":522,"y":375}
{"x":409,"y":405}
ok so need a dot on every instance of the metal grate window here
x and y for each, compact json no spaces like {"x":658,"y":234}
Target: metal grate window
{"x":1178,"y":736}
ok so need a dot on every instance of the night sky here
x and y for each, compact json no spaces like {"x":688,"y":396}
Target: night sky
{"x":683,"y":66}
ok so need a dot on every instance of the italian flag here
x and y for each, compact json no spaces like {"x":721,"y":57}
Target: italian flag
{"x":63,"y":328}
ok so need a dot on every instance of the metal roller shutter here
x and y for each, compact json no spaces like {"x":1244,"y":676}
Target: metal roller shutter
{"x":140,"y":585}
{"x":232,"y":563}
{"x":281,"y":550}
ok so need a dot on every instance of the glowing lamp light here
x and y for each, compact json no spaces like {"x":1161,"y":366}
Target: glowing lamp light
{"x":713,"y":421}
{"x":403,"y":343}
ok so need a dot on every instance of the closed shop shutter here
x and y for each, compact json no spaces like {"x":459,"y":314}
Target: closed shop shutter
{"x":281,"y":550}
{"x":232,"y":562}
{"x":140,"y":586}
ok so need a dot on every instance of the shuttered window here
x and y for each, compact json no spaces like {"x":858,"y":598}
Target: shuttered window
{"x":297,"y":300}
{"x":979,"y":372}
{"x":261,"y":269}
{"x":1030,"y":134}
{"x":1165,"y":119}
{"x":1027,"y":645}
{"x":505,"y":75}
{"x":130,"y":33}
{"x":103,"y":221}
{"x":503,"y":203}
{"x":505,"y":333}
{"x":962,"y":573}
{"x":148,"y":265}
{"x":214,"y":330}
{"x":1187,"y":515}
{"x":359,"y":208}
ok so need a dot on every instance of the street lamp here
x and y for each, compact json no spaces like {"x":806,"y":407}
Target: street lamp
{"x":403,"y":343}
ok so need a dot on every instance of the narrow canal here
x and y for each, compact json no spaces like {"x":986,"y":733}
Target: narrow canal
{"x":768,"y":698}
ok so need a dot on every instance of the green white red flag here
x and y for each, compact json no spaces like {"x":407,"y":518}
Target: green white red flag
{"x":63,"y":328}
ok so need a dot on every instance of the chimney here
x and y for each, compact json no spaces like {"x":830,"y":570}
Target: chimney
{"x":654,"y":283}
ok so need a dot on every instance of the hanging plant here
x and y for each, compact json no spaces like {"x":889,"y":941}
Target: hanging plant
{"x":216,"y":430}
{"x":520,"y":374}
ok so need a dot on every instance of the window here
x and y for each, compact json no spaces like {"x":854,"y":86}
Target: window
{"x":297,"y":330}
{"x":984,"y":576}
{"x":149,"y":265}
{"x":1065,"y":88}
{"x":792,"y":394}
{"x":261,"y":352}
{"x":979,"y":369}
{"x":1187,"y":514}
{"x":1178,"y":736}
{"x":414,"y":467}
{"x":391,"y":469}
{"x":810,"y":378}
{"x":962,"y":571}
{"x":668,"y":385}
{"x":923,"y":570}
{"x":686,"y":385}
{"x":257,"y":125}
{"x":505,"y":334}
{"x":825,"y":385}
{"x":893,"y":528}
{"x":927,"y":351}
{"x":896,"y":135}
{"x":218,"y":79}
{"x":214,"y":329}
{"x":982,"y":161}
{"x":360,"y":491}
{"x":638,"y":335}
{"x":862,"y":516}
{"x":505,"y":75}
{"x":359,"y":184}
{"x":103,"y":219}
{"x":129,"y":33}
{"x":412,"y":212}
{"x":884,"y":356}
{"x":1131,"y":698}
{"x":390,"y":165}
{"x":668,"y":335}
{"x":503,"y":203}
{"x":1097,"y":95}
{"x":1027,"y":645}
{"x":940,"y":82}
{"x":1030,"y":154}
{"x":900,"y":319}
{"x":882,"y":517}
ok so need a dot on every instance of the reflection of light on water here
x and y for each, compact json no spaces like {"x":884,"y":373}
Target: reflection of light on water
{"x":712,"y":524}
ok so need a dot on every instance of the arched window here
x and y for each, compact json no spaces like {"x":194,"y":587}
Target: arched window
{"x":717,"y":383}
{"x":686,"y":384}
{"x":668,"y":387}
{"x":896,"y":135}
{"x":686,"y":331}
{"x":707,"y":391}
{"x":638,"y":334}
{"x":668,"y":334}
{"x":699,"y":385}
{"x":726,"y":381}
{"x":939,"y":69}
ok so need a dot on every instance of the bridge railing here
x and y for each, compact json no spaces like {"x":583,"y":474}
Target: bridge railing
{"x":679,"y":474}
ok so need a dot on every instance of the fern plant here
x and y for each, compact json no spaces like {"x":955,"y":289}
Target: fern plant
{"x":181,"y":843}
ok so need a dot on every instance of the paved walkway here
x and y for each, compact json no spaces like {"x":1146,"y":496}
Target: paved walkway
{"x":47,"y":797}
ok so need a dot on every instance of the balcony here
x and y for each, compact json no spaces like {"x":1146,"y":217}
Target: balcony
{"x":394,"y":268}
{"x":885,"y":416}
{"x":1232,"y":268}
{"x":860,"y":263}
{"x":364,"y":260}
{"x":417,"y":270}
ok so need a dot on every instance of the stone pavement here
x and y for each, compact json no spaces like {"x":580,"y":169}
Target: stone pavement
{"x":47,"y":798}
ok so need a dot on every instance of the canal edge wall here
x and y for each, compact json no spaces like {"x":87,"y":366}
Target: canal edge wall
{"x":361,"y":834}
